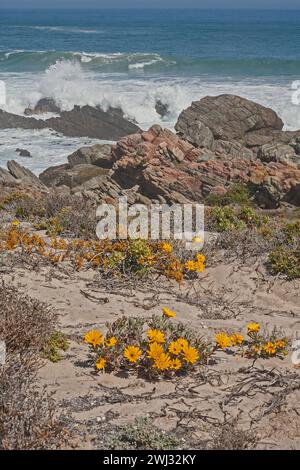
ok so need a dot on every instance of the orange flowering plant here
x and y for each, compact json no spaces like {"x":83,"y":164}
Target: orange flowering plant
{"x":156,"y":346}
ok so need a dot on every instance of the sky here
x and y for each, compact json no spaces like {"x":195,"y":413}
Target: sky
{"x":72,"y":4}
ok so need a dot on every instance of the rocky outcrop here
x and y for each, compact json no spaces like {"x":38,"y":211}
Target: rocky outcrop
{"x":71,"y":177}
{"x":43,"y":106}
{"x":23,"y":152}
{"x":83,"y":121}
{"x":229,"y":117}
{"x":19,"y":175}
{"x":278,"y":153}
{"x":92,"y":122}
{"x":169,"y":169}
{"x":99,"y":155}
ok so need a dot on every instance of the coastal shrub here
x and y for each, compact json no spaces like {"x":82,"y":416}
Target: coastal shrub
{"x":228,"y":218}
{"x":111,"y":257}
{"x":57,"y":213}
{"x":141,"y":435}
{"x":56,"y":343}
{"x":285,"y":257}
{"x":237,"y":194}
{"x":29,"y":418}
{"x":158,"y":347}
{"x":25,"y":323}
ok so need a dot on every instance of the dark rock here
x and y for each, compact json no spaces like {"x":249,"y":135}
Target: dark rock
{"x":80,"y":122}
{"x":23,"y":152}
{"x":162,"y":109}
{"x":92,"y":122}
{"x":44,"y":105}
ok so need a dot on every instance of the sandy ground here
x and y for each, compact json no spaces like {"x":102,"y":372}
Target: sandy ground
{"x":264,"y":396}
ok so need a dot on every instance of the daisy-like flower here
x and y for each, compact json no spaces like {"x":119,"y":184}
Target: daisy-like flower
{"x":190,"y":354}
{"x":155,"y":350}
{"x":270,"y":348}
{"x":253,"y":327}
{"x":236,"y":339}
{"x":132,"y":353}
{"x":200,"y":258}
{"x":190,"y":265}
{"x":94,"y":338}
{"x":168,"y":313}
{"x":176,"y":364}
{"x":157,"y":336}
{"x":280,"y":344}
{"x":111,"y":342}
{"x":167,"y":248}
{"x":183,"y":343}
{"x":175,"y":348}
{"x":15,"y":223}
{"x":163,"y":362}
{"x":223,"y":341}
{"x":100,"y":363}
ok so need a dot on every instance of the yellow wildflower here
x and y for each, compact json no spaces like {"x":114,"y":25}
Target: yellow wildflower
{"x":94,"y":337}
{"x":253,"y":327}
{"x":197,"y":240}
{"x":270,"y":348}
{"x":100,"y":363}
{"x":155,"y":350}
{"x":168,"y":313}
{"x":175,"y":348}
{"x":200,"y":258}
{"x":15,"y":223}
{"x":236,"y":339}
{"x":190,"y":265}
{"x":167,"y":248}
{"x":190,"y":354}
{"x":111,"y":342}
{"x":163,"y":362}
{"x":183,"y":343}
{"x":132,"y":353}
{"x":223,"y":340}
{"x":156,"y":335}
{"x":176,"y":364}
{"x":280,"y":344}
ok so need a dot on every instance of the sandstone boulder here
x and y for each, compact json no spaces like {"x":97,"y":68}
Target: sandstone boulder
{"x":229,"y":117}
{"x":99,"y":155}
{"x":71,"y":177}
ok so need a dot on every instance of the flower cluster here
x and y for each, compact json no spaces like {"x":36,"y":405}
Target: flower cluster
{"x":109,"y":256}
{"x":155,"y":346}
{"x":256,"y":343}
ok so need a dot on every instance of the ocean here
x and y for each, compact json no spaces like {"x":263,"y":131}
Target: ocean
{"x":131,"y":59}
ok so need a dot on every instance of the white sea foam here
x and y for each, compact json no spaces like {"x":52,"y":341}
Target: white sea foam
{"x":66,"y":29}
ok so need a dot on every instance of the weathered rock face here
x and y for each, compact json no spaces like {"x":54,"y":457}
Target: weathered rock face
{"x":19,"y":175}
{"x":169,"y":169}
{"x":229,"y":117}
{"x":92,"y":122}
{"x":44,"y":105}
{"x":83,"y":121}
{"x":99,"y":155}
{"x":71,"y":177}
{"x":278,"y":153}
